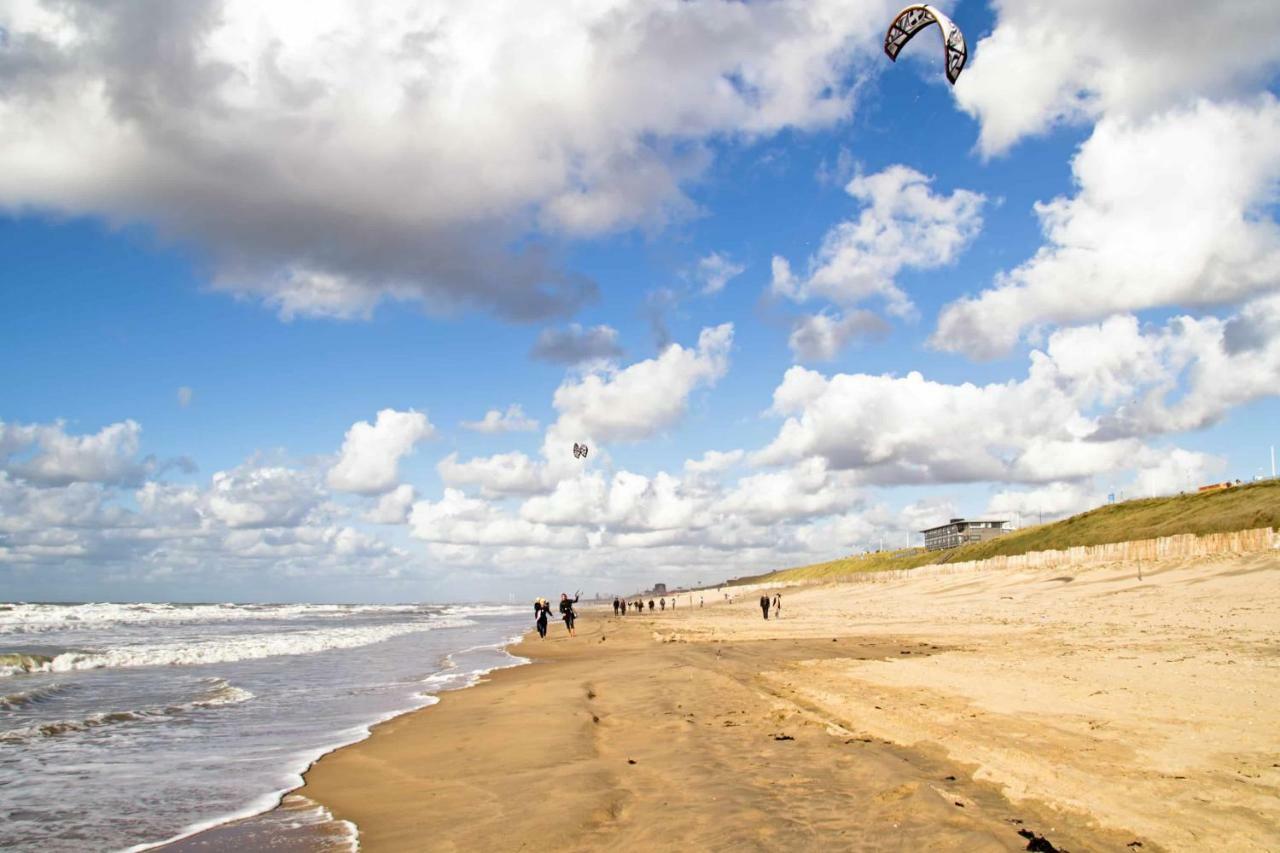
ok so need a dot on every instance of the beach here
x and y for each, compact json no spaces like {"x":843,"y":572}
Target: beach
{"x":939,"y":709}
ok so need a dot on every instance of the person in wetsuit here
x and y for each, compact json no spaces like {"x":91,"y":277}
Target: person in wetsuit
{"x":615,"y":606}
{"x":764,"y":605}
{"x":566,"y":611}
{"x":651,"y":605}
{"x":541,"y":609}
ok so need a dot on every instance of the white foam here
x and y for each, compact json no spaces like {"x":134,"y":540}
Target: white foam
{"x":240,"y":647}
{"x":220,"y":693}
{"x":36,"y":618}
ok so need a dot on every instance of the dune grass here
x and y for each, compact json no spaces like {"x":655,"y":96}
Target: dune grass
{"x":1239,"y":508}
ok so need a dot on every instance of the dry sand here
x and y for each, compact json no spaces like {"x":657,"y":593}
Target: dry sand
{"x":951,"y":710}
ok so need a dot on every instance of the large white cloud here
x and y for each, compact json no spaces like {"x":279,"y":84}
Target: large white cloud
{"x":1087,"y":402}
{"x":1049,"y":62}
{"x":904,"y":224}
{"x":48,"y":455}
{"x":640,"y":400}
{"x":332,"y":154}
{"x":1174,"y":210}
{"x":256,"y":496}
{"x":369,"y":462}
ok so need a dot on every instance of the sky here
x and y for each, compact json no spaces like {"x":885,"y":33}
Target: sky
{"x":310,"y":302}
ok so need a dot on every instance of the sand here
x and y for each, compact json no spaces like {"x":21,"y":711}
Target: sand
{"x":931,"y":710}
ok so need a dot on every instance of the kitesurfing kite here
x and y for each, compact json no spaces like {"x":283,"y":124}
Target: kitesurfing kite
{"x":579,"y":451}
{"x":915,"y":18}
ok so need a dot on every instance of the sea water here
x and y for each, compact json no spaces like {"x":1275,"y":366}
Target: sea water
{"x":127,"y":725}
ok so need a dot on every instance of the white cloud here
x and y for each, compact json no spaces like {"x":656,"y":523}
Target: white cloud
{"x":47,"y":455}
{"x":714,"y":462}
{"x":1174,"y":210}
{"x":821,"y":337}
{"x":185,"y":396}
{"x":1086,"y":404}
{"x":1047,"y":63}
{"x":715,"y":270}
{"x":257,"y":496}
{"x":500,"y":474}
{"x":459,"y":520}
{"x":638,"y":401}
{"x":369,"y":462}
{"x":393,"y":507}
{"x":805,"y":490}
{"x":903,"y":225}
{"x":495,"y":421}
{"x":333,"y":155}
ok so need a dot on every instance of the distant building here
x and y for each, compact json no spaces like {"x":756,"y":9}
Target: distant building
{"x":959,"y":531}
{"x":659,"y":589}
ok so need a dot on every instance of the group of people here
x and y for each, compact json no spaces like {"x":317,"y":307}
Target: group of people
{"x":542,"y":612}
{"x":542,"y":609}
{"x":620,"y":605}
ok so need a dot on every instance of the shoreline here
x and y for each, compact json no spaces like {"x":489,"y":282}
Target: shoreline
{"x":601,"y":759}
{"x":230,"y":832}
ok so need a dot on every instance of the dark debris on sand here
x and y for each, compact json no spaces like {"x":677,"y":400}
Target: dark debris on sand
{"x":1038,"y":843}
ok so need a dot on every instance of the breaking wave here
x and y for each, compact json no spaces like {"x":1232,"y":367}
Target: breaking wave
{"x":218,"y":693}
{"x":36,"y":618}
{"x":222,"y":650}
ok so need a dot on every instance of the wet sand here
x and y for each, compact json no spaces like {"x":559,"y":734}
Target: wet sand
{"x":618,"y":740}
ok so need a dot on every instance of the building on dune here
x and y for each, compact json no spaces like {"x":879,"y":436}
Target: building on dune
{"x":961,"y":531}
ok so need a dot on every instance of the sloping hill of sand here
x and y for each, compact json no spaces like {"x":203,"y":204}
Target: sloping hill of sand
{"x":1150,"y":704}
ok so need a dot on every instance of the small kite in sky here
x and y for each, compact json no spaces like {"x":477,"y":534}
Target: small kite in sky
{"x":579,"y":451}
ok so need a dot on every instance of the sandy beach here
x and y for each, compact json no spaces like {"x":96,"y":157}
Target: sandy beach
{"x":937,"y":709}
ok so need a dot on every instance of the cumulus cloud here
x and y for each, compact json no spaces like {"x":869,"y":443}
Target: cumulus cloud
{"x":714,"y":461}
{"x":393,"y":507}
{"x":1047,"y":63}
{"x":821,"y":337}
{"x":512,"y":473}
{"x":1173,"y":210}
{"x":1088,"y":401}
{"x":257,"y":496}
{"x":329,"y":157}
{"x":640,"y":400}
{"x":47,"y":455}
{"x":606,"y":403}
{"x":495,"y":421}
{"x":369,"y":462}
{"x":904,"y":224}
{"x":575,"y":344}
{"x":715,"y":270}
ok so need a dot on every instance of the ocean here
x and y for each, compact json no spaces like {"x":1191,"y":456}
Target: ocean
{"x":123,"y":726}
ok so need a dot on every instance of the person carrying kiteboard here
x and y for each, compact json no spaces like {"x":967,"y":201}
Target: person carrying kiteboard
{"x":566,"y":611}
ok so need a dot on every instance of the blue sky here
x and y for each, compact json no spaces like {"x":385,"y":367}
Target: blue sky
{"x":252,"y":292}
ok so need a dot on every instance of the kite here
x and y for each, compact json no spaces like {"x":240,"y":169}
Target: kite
{"x":579,"y":451}
{"x":915,"y":18}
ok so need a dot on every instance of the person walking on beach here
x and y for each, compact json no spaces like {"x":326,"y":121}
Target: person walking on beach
{"x":651,"y":605}
{"x":700,"y":601}
{"x":566,"y":611}
{"x":764,"y":605}
{"x":541,"y":610}
{"x":615,"y":606}
{"x":662,"y":604}
{"x":777,"y":605}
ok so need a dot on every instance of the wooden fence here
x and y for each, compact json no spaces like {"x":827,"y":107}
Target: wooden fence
{"x":1182,"y":546}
